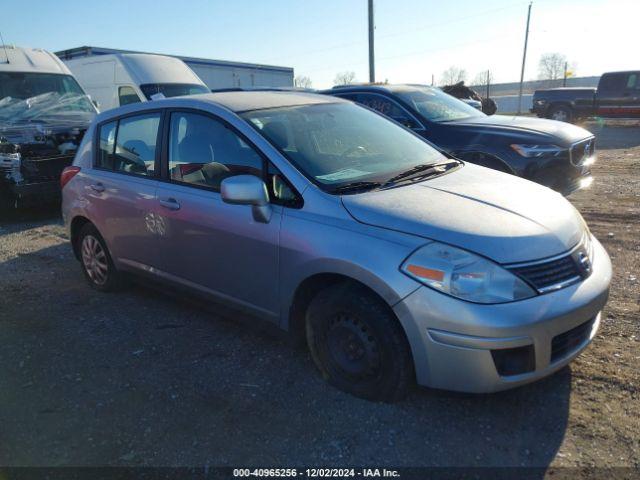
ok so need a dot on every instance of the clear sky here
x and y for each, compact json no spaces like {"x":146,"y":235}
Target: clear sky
{"x":415,"y":39}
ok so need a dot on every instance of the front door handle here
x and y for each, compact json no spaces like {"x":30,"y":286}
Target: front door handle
{"x":170,"y":203}
{"x":98,"y":187}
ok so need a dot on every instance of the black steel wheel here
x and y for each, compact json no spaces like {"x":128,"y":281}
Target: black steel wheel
{"x":358,"y":344}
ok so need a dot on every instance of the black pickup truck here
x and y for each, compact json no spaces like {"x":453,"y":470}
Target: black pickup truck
{"x":617,"y":96}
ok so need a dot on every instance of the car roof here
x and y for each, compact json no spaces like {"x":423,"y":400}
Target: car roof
{"x":259,"y":100}
{"x":236,"y":101}
{"x":389,"y":88}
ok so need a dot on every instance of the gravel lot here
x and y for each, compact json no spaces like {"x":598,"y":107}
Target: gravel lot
{"x":143,"y":378}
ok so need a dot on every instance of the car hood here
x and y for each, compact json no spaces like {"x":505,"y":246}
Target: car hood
{"x":497,"y":215}
{"x":551,"y":130}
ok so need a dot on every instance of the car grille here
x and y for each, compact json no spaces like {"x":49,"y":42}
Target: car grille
{"x":580,"y":151}
{"x":550,"y":275}
{"x":565,"y":343}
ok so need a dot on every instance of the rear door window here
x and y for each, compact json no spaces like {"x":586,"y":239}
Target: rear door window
{"x":129,"y":145}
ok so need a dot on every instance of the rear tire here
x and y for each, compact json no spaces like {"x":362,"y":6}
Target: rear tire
{"x":358,"y":344}
{"x":96,"y":262}
{"x":561,"y":113}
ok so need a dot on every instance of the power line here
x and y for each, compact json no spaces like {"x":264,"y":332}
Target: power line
{"x":448,"y":22}
{"x":417,"y":52}
{"x":395,"y":34}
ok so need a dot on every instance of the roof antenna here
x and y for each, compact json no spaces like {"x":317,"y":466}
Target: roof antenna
{"x":4,"y":47}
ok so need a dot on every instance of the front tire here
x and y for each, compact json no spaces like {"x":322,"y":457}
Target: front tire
{"x":96,"y":262}
{"x":358,"y":344}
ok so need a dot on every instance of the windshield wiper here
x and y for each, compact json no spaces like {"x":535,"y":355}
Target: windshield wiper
{"x":355,"y":187}
{"x":423,"y":170}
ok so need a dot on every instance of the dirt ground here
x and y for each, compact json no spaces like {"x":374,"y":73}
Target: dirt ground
{"x":143,"y":378}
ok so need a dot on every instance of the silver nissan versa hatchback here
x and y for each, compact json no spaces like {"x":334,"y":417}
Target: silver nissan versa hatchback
{"x":397,"y":263}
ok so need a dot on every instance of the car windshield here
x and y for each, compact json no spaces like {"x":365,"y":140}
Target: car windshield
{"x":338,"y":144}
{"x":21,"y":86}
{"x":42,"y":97}
{"x":437,"y":106}
{"x":172,"y":89}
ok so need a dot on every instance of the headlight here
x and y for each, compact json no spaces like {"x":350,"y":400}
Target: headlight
{"x":464,"y":275}
{"x":538,"y":150}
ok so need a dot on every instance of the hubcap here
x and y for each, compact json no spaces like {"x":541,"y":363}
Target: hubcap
{"x":353,"y":349}
{"x":560,"y":115}
{"x":94,"y":260}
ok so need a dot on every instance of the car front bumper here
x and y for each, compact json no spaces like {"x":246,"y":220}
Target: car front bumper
{"x":452,"y":340}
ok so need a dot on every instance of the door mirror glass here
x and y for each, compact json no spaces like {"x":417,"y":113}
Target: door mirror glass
{"x":247,"y":190}
{"x":407,"y":122}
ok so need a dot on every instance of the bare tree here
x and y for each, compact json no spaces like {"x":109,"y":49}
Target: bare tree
{"x":453,"y":75}
{"x":481,"y":79}
{"x":551,"y":66}
{"x":345,"y":78}
{"x":302,"y":81}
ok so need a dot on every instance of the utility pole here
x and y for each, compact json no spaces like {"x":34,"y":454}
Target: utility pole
{"x":488,"y":82}
{"x":372,"y":67}
{"x":524,"y":59}
{"x":564,"y":80}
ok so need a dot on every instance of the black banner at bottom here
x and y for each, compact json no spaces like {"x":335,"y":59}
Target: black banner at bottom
{"x":215,"y":473}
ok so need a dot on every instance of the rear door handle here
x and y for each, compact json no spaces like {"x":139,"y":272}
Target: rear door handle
{"x":98,"y":187}
{"x":170,"y":203}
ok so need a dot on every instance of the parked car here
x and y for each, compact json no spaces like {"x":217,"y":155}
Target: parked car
{"x":43,"y":116}
{"x":123,"y":78}
{"x":395,"y":261}
{"x":617,"y":96}
{"x":553,"y":154}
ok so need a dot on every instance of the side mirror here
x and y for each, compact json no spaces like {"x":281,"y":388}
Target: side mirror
{"x":409,"y":123}
{"x":247,"y":190}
